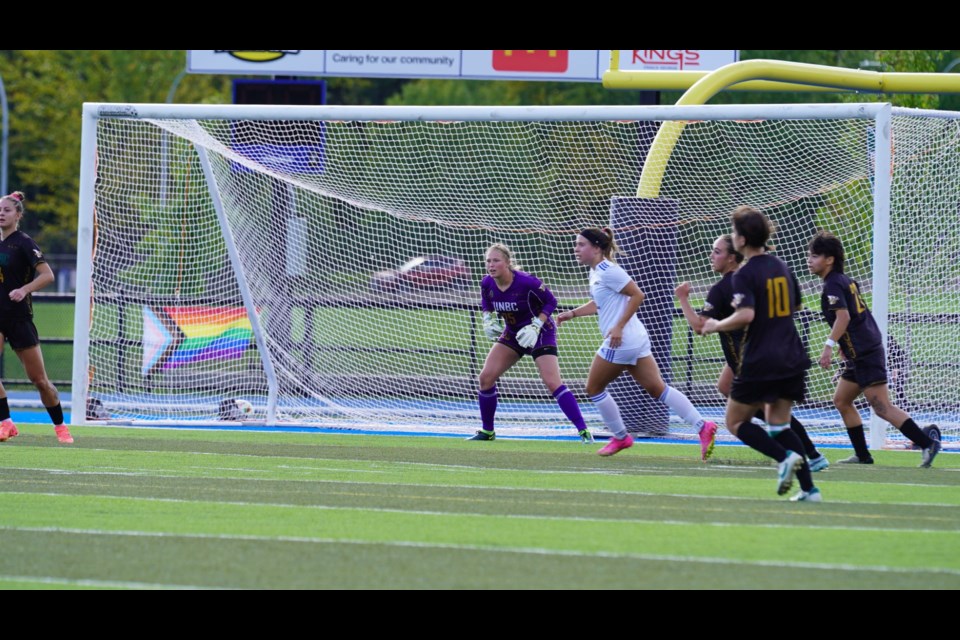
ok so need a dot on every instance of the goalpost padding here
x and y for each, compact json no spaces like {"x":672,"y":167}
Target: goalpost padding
{"x":645,"y":231}
{"x":237,"y":251}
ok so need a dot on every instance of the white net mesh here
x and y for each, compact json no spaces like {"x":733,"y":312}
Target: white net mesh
{"x":324,"y":214}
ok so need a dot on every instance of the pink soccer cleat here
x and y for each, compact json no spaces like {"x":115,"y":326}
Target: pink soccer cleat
{"x":8,"y":430}
{"x":63,"y":434}
{"x":616,"y":445}
{"x":708,"y":436}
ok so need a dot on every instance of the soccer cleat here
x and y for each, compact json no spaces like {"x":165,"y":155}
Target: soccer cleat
{"x":708,"y":437}
{"x":616,"y":445}
{"x":854,"y":459}
{"x":818,"y":464}
{"x":786,"y":470}
{"x":8,"y":430}
{"x":931,"y":431}
{"x":808,"y":496}
{"x":63,"y":434}
{"x":483,"y":435}
{"x":930,"y":453}
{"x":585,"y":436}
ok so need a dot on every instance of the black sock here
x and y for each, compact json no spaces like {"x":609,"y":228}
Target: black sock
{"x":756,"y":438}
{"x":791,"y":441}
{"x":4,"y":408}
{"x":912,"y":431}
{"x":859,"y":440}
{"x":808,"y":447}
{"x":56,"y":414}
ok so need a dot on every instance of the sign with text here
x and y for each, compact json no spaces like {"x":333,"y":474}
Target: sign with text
{"x":571,"y":65}
{"x":377,"y":63}
{"x":676,"y":59}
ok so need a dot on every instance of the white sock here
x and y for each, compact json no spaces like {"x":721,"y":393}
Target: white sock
{"x":682,"y":406}
{"x":610,"y":413}
{"x":776,"y":429}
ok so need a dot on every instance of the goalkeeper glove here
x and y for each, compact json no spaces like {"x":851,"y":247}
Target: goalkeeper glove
{"x":527,"y":337}
{"x":492,"y":326}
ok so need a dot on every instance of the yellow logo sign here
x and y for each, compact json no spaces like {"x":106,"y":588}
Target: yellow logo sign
{"x":260,"y":55}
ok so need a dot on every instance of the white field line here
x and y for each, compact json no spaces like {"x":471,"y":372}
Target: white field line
{"x":512,"y":516}
{"x":104,"y":584}
{"x":493,"y":549}
{"x":173,"y":475}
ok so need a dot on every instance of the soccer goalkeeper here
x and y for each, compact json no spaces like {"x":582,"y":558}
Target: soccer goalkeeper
{"x":523,"y":302}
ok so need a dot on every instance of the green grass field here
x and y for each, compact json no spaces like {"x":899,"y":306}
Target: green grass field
{"x":141,"y":508}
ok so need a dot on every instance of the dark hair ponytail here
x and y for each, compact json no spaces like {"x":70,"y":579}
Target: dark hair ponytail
{"x":601,"y":238}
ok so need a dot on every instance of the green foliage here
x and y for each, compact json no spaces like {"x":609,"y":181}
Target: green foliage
{"x":46,"y":90}
{"x":903,"y":60}
{"x":847,"y":212}
{"x":171,"y":242}
{"x":362,"y":91}
{"x":482,"y":92}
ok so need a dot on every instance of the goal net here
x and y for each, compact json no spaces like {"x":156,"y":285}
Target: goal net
{"x":323,"y":264}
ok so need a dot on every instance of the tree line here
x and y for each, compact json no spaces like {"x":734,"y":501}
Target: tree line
{"x":47,"y":88}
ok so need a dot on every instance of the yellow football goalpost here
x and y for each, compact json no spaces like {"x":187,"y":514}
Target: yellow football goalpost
{"x":757,"y":75}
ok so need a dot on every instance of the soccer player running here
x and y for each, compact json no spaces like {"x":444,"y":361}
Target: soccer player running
{"x":525,"y":305}
{"x":626,"y":345}
{"x":23,"y":271}
{"x":773,"y":366}
{"x":725,"y":260}
{"x":854,"y":330}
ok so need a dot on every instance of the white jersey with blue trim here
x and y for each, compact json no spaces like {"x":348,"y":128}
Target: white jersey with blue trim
{"x":606,"y":281}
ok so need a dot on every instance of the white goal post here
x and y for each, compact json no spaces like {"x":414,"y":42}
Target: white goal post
{"x":323,"y":263}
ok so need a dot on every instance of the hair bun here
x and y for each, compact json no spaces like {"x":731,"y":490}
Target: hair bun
{"x":16,"y":195}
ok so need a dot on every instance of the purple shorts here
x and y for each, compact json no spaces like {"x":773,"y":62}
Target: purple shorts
{"x":546,"y":343}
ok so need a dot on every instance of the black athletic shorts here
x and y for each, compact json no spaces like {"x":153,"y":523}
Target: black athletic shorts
{"x":754,"y":391}
{"x":867,"y":370}
{"x":19,"y":332}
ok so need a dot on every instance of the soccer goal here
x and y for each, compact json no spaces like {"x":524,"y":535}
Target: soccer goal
{"x":323,"y":263}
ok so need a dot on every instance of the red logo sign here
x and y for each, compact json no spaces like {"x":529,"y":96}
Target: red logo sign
{"x":677,"y":58}
{"x":543,"y":60}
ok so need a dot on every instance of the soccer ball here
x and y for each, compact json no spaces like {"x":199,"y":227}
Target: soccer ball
{"x":244,"y":408}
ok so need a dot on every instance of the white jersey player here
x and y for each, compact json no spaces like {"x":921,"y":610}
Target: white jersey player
{"x":626,"y":346}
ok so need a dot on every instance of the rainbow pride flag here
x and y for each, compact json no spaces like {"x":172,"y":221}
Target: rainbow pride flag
{"x":178,"y":336}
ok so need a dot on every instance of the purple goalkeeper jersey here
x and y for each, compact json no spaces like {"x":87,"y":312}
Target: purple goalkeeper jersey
{"x":525,"y":298}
